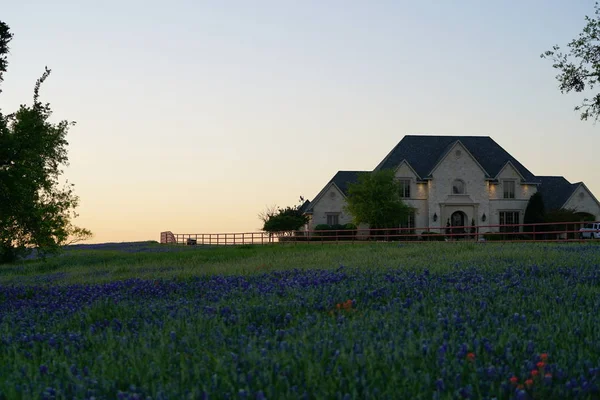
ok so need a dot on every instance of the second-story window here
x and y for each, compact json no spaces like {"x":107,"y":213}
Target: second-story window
{"x":405,"y":188}
{"x":509,"y":189}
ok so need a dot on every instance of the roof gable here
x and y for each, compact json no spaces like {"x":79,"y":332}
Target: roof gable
{"x":507,"y":165}
{"x":404,"y":162}
{"x":588,"y":191}
{"x":341,"y":180}
{"x":424,"y":152}
{"x":449,"y":150}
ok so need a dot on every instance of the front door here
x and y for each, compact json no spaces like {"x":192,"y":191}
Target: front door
{"x":458,"y":218}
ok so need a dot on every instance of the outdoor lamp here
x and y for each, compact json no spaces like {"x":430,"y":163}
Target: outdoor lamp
{"x":434,"y":217}
{"x":483,"y":217}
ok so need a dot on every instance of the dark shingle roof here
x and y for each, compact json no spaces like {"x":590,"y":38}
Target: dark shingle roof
{"x":424,"y":152}
{"x":555,"y":191}
{"x":343,"y":178}
{"x":304,"y":206}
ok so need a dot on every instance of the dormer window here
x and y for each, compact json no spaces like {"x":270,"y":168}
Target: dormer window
{"x":458,"y":187}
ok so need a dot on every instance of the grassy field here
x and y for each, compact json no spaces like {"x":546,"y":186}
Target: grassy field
{"x":379,"y":320}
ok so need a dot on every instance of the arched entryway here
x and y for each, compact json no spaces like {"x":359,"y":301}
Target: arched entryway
{"x":458,"y":221}
{"x":458,"y":218}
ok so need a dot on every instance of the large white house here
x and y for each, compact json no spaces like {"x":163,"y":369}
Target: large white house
{"x":458,"y":180}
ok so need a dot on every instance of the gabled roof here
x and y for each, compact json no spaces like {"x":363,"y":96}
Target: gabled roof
{"x":304,"y":206}
{"x":511,"y":164}
{"x":449,"y":149}
{"x":424,"y":152}
{"x":341,"y":179}
{"x":555,"y":190}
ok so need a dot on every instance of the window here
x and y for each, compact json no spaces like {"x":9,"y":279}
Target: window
{"x":509,"y":218}
{"x":405,"y":188}
{"x":333,"y":219}
{"x":458,"y":187}
{"x":509,"y":189}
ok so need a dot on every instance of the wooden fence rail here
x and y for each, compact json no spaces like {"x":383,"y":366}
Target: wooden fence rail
{"x":547,"y":232}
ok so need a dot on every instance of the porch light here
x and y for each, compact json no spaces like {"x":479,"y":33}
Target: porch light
{"x":434,"y":217}
{"x":483,"y":217}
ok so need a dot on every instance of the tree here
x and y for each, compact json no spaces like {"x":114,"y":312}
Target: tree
{"x":535,"y":213}
{"x":375,"y":200}
{"x":579,"y":68}
{"x":283,"y":220}
{"x":35,"y":211}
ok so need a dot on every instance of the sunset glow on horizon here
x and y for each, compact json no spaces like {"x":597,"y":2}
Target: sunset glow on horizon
{"x":193,"y":117}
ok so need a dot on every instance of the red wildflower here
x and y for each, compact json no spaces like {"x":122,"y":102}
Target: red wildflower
{"x":347,"y":305}
{"x":514,"y":380}
{"x":548,"y":375}
{"x":541,"y":365}
{"x":544,"y":357}
{"x":471,"y":357}
{"x":529,"y":383}
{"x":535,"y":373}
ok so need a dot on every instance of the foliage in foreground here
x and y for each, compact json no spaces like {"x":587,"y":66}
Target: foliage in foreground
{"x":34,"y":210}
{"x":579,"y":68}
{"x":514,"y":324}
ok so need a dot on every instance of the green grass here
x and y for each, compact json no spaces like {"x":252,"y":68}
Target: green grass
{"x":96,"y":266}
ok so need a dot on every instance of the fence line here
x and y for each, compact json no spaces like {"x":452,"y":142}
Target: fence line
{"x":548,"y":232}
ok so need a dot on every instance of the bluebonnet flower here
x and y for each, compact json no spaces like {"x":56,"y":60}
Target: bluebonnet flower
{"x":439,"y":385}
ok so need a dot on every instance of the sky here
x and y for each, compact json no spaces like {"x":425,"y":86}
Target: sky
{"x":194,"y":116}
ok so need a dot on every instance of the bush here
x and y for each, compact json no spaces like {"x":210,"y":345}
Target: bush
{"x":342,"y":232}
{"x":322,"y":230}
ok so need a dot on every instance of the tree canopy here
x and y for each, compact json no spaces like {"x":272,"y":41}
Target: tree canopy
{"x":579,"y":66}
{"x":35,"y":210}
{"x":284,"y":220}
{"x":375,"y":200}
